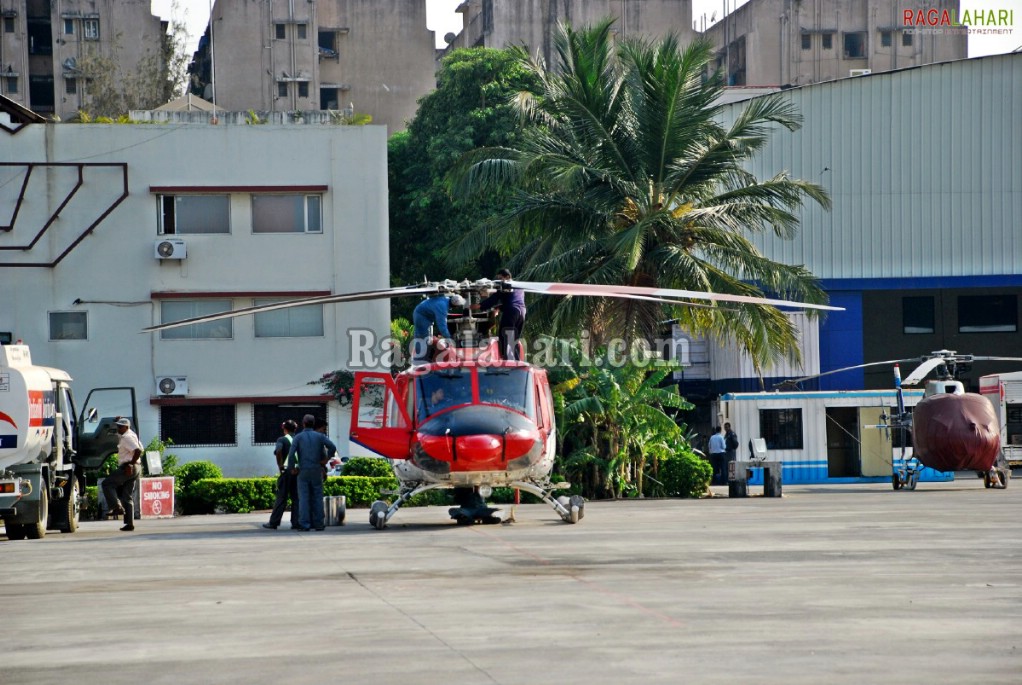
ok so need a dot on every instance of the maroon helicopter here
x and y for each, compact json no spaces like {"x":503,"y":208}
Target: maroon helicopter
{"x":951,"y":429}
{"x":468,"y":420}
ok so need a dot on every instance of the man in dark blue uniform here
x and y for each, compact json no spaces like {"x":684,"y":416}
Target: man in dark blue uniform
{"x":310,"y":451}
{"x":287,"y":484}
{"x":512,"y":315}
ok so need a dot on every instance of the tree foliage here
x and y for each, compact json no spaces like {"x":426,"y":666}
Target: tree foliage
{"x":470,"y":108}
{"x":628,"y":176}
{"x":616,"y":425}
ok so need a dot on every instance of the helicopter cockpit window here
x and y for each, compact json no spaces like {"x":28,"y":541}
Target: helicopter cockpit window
{"x":509,"y":387}
{"x":439,"y":390}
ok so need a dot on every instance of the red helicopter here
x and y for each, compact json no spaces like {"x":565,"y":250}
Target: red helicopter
{"x":467,"y":419}
{"x":951,"y":429}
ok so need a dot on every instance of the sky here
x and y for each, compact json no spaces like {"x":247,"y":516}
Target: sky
{"x":441,"y":18}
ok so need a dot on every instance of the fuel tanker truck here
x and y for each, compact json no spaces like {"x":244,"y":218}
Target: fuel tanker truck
{"x":45,"y":448}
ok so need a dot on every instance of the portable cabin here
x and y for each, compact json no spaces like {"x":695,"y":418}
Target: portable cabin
{"x":823,"y":437}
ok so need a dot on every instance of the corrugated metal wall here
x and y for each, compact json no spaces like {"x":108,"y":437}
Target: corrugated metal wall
{"x":728,"y":361}
{"x":924,"y":167}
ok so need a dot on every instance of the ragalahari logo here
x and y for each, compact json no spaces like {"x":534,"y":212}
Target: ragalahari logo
{"x":949,"y":21}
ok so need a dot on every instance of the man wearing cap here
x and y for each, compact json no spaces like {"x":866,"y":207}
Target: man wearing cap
{"x":119,"y":486}
{"x":310,"y":451}
{"x":287,"y":486}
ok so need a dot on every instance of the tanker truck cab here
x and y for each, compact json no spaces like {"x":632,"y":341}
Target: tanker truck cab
{"x":40,"y":482}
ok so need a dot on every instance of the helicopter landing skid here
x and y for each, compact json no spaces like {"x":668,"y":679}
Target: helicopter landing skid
{"x":380,"y":512}
{"x":570,"y":509}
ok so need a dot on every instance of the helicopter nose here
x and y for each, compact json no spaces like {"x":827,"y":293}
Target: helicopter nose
{"x":478,"y":437}
{"x":481,"y":448}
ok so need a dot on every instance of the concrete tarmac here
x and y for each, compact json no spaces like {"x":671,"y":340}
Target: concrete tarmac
{"x":829,"y":584}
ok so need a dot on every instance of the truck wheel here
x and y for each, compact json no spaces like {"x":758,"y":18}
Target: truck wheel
{"x":70,"y":508}
{"x":37,"y":530}
{"x":15,"y":531}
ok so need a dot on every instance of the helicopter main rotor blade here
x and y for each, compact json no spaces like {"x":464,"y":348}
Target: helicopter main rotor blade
{"x":795,"y":381}
{"x":919,"y":373}
{"x":639,"y":292}
{"x":321,"y":299}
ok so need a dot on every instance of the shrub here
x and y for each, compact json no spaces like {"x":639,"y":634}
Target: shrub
{"x":685,"y":474}
{"x":373,"y":467}
{"x":197,"y":470}
{"x":234,"y":495}
{"x":90,"y":503}
{"x":108,"y":466}
{"x":189,"y":500}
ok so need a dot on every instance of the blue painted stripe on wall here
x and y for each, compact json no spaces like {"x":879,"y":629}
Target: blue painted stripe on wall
{"x":845,"y":284}
{"x":815,"y":472}
{"x":856,"y":394}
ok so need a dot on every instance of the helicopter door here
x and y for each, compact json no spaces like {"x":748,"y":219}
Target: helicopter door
{"x":379,"y":421}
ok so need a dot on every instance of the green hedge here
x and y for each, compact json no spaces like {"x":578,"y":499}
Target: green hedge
{"x":242,"y":495}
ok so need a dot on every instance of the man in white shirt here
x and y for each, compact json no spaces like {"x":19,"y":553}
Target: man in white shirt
{"x":718,"y":457}
{"x":119,"y":486}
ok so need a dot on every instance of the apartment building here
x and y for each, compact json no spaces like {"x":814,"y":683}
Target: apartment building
{"x":106,"y":229}
{"x":499,"y":23}
{"x":373,"y":57}
{"x":798,"y":42}
{"x":44,"y":45}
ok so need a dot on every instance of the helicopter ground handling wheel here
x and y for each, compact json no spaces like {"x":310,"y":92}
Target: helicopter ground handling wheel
{"x":896,"y":481}
{"x":996,"y":478}
{"x":378,"y":514}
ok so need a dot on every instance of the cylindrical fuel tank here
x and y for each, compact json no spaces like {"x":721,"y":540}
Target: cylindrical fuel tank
{"x":956,"y":432}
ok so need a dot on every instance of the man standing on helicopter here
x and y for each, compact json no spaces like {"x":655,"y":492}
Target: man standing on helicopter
{"x":512,"y":315}
{"x":431,"y":312}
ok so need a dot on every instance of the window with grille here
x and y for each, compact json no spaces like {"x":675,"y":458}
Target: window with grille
{"x":210,"y":425}
{"x":781,"y":428}
{"x":267,"y":419}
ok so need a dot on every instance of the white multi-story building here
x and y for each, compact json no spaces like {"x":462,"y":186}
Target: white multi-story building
{"x":108,"y":229}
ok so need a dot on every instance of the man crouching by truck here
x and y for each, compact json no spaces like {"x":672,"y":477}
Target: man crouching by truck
{"x":119,"y":486}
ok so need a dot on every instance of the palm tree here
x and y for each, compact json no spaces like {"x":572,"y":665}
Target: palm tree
{"x":627,"y":176}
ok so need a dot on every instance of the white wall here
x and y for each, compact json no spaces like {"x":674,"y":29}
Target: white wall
{"x":114,"y":271}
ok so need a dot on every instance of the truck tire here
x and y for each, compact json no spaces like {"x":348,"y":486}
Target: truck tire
{"x":15,"y":531}
{"x":70,"y":508}
{"x":37,"y":530}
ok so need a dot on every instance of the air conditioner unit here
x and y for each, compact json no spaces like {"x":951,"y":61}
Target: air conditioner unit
{"x":171,"y":386}
{"x":859,"y":72}
{"x":170,"y":248}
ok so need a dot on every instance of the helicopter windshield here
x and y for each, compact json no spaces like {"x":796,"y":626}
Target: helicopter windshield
{"x":509,"y":387}
{"x":438,"y":390}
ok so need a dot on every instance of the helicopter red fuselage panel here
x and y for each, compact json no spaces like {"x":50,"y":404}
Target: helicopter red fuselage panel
{"x":956,"y":432}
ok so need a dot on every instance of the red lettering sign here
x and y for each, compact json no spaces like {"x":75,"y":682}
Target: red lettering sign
{"x":157,"y":497}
